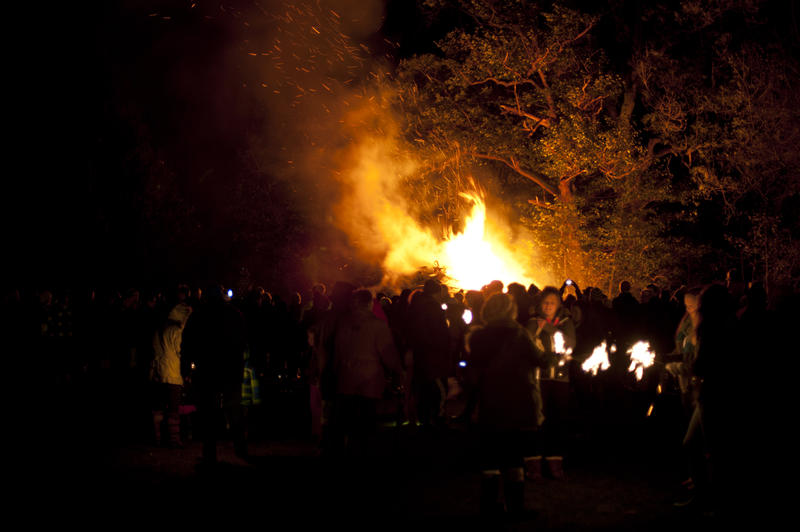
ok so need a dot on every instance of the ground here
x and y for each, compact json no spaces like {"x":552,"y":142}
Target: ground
{"x":622,"y":478}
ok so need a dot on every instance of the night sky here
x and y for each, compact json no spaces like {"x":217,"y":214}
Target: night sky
{"x":133,"y":127}
{"x":115,"y":102}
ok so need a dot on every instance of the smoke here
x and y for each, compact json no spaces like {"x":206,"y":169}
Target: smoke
{"x":329,"y":132}
{"x":333,"y":138}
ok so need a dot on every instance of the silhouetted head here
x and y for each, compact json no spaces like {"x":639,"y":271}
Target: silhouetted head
{"x":340,"y":296}
{"x":624,"y":287}
{"x":495,"y":287}
{"x":432,"y":288}
{"x":362,"y":300}
{"x":714,"y":303}
{"x":319,"y":288}
{"x":516,"y":290}
{"x":183,"y":292}
{"x":215,"y":293}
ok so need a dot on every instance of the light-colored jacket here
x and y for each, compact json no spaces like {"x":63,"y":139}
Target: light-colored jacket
{"x":167,"y":347}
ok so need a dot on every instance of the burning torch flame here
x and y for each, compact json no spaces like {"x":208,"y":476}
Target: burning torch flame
{"x":559,"y":347}
{"x":598,"y":360}
{"x":641,"y":358}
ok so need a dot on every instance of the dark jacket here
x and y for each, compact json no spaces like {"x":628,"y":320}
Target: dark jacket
{"x":364,"y":350}
{"x":215,"y":339}
{"x":429,"y":338}
{"x":503,"y":362}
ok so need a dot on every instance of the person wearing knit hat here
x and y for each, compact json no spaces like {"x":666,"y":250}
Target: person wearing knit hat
{"x":502,"y":365}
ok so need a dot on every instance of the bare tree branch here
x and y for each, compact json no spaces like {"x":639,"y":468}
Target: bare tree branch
{"x":514,"y":165}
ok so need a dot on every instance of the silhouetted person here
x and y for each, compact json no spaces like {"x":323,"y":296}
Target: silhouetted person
{"x":715,"y":370}
{"x":520,"y":296}
{"x":322,"y":368}
{"x":429,"y":339}
{"x":215,"y":339}
{"x":364,"y":354}
{"x":503,"y":362}
{"x":626,"y":309}
{"x":167,"y":376}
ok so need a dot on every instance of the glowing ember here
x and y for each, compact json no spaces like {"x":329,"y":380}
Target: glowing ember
{"x":467,"y":316}
{"x":641,"y":358}
{"x":650,"y":410}
{"x":598,"y":360}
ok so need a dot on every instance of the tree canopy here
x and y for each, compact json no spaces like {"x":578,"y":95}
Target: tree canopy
{"x":634,"y":140}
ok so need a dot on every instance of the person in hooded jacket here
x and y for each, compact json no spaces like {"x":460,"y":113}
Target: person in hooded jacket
{"x":165,"y":373}
{"x":502,"y":367}
{"x":554,"y":331}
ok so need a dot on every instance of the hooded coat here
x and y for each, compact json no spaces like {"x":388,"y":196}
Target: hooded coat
{"x":503,"y":362}
{"x":167,"y":347}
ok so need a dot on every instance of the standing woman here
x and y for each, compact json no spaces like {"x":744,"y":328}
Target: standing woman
{"x":686,"y":347}
{"x":503,"y":362}
{"x":550,"y":319}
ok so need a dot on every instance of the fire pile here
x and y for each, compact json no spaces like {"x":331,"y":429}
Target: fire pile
{"x":472,"y":258}
{"x":385,"y":226}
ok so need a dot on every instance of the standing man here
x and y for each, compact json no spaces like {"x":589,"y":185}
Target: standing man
{"x":364,"y":353}
{"x":430,"y":342}
{"x":215,"y":340}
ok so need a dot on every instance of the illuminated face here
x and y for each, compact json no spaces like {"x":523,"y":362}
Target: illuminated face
{"x":690,"y":300}
{"x":550,"y":305}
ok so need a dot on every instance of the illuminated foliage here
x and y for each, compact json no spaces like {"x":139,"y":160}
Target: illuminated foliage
{"x":625,"y":126}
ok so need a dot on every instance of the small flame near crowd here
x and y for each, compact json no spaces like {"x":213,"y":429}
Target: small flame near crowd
{"x":641,"y":358}
{"x":598,"y":360}
{"x":559,"y":347}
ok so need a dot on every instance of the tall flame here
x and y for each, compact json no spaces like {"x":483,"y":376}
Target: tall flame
{"x":473,"y":259}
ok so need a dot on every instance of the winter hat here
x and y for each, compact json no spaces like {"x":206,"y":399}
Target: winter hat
{"x":499,"y":307}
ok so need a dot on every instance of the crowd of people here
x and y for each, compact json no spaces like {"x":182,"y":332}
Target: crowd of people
{"x":504,"y":361}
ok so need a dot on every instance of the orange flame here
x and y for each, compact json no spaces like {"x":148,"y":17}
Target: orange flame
{"x":473,"y":258}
